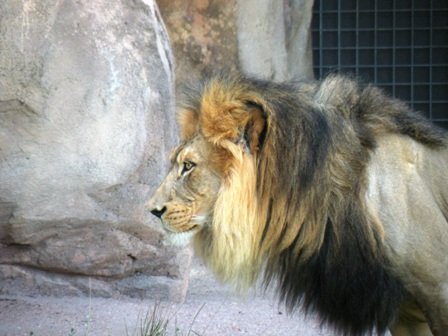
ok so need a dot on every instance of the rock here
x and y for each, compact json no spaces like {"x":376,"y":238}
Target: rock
{"x":274,"y":38}
{"x":263,"y":38}
{"x":86,"y":123}
{"x":203,"y":36}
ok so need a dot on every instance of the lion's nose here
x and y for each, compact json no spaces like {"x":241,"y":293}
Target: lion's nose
{"x":158,"y":212}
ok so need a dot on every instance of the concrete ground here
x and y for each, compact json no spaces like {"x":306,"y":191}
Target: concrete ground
{"x":209,"y":309}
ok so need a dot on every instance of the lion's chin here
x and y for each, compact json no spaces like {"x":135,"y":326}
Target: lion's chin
{"x":180,"y":238}
{"x":183,"y":238}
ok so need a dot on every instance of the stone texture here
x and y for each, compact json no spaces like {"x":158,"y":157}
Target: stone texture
{"x":264,"y":38}
{"x":86,"y":122}
{"x":274,"y":38}
{"x":203,"y":36}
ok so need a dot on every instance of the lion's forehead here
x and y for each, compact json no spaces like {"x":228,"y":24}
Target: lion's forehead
{"x":174,"y":153}
{"x":191,"y":150}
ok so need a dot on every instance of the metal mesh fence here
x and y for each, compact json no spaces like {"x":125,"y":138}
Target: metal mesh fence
{"x":399,"y":45}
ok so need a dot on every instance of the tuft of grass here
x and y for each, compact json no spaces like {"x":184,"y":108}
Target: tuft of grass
{"x":155,"y":323}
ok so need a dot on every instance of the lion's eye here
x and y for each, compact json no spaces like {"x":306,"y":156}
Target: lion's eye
{"x":187,"y":166}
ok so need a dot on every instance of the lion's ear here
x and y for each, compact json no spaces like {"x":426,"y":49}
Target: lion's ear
{"x":188,"y":121}
{"x":238,"y":122}
{"x":232,"y":114}
{"x":255,"y":128}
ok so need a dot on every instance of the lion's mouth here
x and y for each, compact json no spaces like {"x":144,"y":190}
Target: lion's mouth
{"x":181,"y":233}
{"x":192,"y":229}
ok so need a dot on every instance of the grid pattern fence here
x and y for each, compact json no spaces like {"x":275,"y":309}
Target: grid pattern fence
{"x":399,"y":45}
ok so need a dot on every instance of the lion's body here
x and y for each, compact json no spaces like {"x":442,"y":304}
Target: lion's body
{"x":408,"y":189}
{"x":335,"y":191}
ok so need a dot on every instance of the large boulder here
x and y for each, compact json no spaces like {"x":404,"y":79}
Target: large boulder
{"x":203,"y":36}
{"x":274,"y":38}
{"x":267,"y":39}
{"x":86,"y":122}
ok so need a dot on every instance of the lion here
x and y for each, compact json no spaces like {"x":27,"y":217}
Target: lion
{"x":331,"y":191}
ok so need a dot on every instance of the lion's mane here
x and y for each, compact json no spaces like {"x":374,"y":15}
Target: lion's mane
{"x":292,"y":201}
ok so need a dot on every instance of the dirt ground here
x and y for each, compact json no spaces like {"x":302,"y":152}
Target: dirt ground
{"x":210,"y":309}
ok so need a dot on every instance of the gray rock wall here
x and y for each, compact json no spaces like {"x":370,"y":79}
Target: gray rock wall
{"x":203,"y":36}
{"x":263,"y":38}
{"x":274,"y":40}
{"x":86,"y":122}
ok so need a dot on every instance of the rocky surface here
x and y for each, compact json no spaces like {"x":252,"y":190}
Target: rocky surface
{"x":203,"y":36}
{"x":274,"y":40}
{"x":263,"y":38}
{"x":86,"y":124}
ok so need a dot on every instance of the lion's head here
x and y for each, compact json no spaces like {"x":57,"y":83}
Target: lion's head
{"x":210,"y":191}
{"x":185,"y":200}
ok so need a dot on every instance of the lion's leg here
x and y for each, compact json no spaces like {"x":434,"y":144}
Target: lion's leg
{"x":438,"y":318}
{"x":410,"y":322}
{"x":410,"y":328}
{"x":432,"y":306}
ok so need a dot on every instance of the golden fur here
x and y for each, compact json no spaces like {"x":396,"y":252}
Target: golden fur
{"x":280,"y":180}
